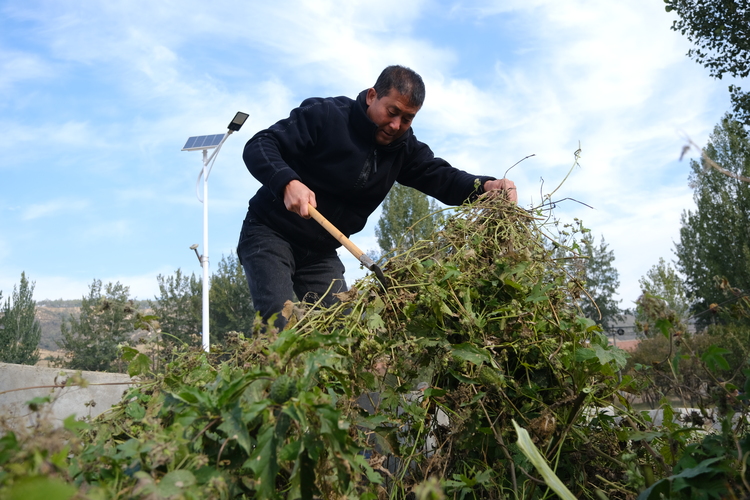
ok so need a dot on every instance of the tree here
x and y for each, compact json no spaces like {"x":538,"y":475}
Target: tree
{"x":601,"y":282}
{"x":179,"y":307}
{"x":407,"y":216}
{"x":663,"y":281}
{"x":715,"y":238}
{"x":107,"y":319}
{"x":663,"y":297}
{"x":719,"y":29}
{"x":231,"y":304}
{"x":20,"y":331}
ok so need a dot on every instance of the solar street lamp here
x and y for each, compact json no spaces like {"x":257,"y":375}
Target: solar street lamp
{"x":204,"y":143}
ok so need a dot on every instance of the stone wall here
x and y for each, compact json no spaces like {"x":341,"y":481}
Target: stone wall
{"x":21,"y":383}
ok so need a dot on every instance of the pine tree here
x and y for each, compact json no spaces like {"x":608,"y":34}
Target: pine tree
{"x":602,"y":281}
{"x":407,"y":216}
{"x":663,"y":281}
{"x":231,"y":306}
{"x":178,"y":308}
{"x":715,"y":238}
{"x":664,"y":295}
{"x":107,"y":319}
{"x":20,"y":331}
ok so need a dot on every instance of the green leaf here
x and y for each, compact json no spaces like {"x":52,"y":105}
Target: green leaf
{"x":647,"y":436}
{"x":230,"y":392}
{"x":369,"y":380}
{"x":445,"y":310}
{"x":73,"y":425}
{"x":676,"y":364}
{"x":434,"y":393}
{"x":479,"y":395}
{"x":128,"y":450}
{"x":714,"y":358}
{"x":8,"y":446}
{"x":135,"y":411}
{"x":513,"y":284}
{"x":470,"y":352}
{"x":287,"y":338}
{"x":664,"y":325}
{"x":375,"y":322}
{"x":461,"y":377}
{"x":519,"y":268}
{"x":304,"y":345}
{"x":128,"y":353}
{"x":527,"y":447}
{"x":538,"y":293}
{"x":603,"y":355}
{"x":41,"y":488}
{"x":291,"y":451}
{"x":585,"y":354}
{"x":657,"y":491}
{"x":318,"y":359}
{"x":702,"y":468}
{"x":264,"y":462}
{"x":233,"y":426}
{"x":372,"y":422}
{"x":192,"y":395}
{"x":35,"y":403}
{"x":307,"y":476}
{"x":451,"y":272}
{"x":174,"y":482}
{"x":140,"y":365}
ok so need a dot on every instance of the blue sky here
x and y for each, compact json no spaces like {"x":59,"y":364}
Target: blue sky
{"x":98,"y":97}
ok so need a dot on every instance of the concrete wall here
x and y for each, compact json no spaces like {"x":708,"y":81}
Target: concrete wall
{"x":21,"y":383}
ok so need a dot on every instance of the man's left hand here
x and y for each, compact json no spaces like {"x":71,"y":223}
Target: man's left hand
{"x":506,"y":185}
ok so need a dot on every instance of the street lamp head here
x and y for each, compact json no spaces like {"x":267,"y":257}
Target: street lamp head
{"x":193,"y":247}
{"x":238,"y":121}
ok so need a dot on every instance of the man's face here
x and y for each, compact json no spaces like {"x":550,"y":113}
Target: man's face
{"x":391,"y":113}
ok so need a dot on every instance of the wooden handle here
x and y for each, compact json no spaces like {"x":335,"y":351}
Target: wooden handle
{"x":354,"y":249}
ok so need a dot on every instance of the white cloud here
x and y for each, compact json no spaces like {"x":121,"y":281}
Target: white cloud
{"x":17,"y":67}
{"x":114,"y":232}
{"x":4,"y":250}
{"x":53,"y":208}
{"x":142,"y":286}
{"x":59,"y":287}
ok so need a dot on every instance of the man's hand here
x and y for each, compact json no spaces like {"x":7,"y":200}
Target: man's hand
{"x":296,"y":198}
{"x":506,"y":185}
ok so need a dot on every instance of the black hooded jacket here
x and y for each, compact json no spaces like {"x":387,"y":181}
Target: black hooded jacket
{"x":329,"y":145}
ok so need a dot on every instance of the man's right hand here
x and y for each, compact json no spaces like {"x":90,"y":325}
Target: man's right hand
{"x":296,"y":198}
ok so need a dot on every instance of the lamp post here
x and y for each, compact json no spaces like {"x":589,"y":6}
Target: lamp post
{"x":204,"y":143}
{"x":618,"y":331}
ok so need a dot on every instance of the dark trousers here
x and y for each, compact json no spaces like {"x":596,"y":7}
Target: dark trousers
{"x":276,"y":270}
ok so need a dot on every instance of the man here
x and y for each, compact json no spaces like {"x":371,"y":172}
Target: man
{"x":341,"y":156}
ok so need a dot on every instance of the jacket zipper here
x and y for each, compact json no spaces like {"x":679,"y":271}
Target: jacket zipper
{"x":367,"y":168}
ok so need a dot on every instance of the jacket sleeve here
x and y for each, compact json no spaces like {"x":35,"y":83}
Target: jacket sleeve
{"x":438,"y":178}
{"x":271,"y":153}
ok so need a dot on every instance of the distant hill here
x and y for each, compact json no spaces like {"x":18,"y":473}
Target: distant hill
{"x":51,"y":313}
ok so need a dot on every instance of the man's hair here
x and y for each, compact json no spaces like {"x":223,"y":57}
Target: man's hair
{"x":403,"y":80}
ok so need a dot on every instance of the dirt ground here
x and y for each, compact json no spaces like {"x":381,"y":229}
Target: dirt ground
{"x":627,"y":345}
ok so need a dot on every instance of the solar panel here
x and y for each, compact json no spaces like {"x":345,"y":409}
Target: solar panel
{"x":202,"y":142}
